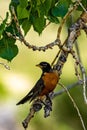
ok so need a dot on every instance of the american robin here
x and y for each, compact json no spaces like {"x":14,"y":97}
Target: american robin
{"x":44,"y":85}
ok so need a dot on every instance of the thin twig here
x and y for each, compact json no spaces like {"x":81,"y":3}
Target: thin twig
{"x":83,"y":74}
{"x":82,"y":69}
{"x":75,"y":105}
{"x":78,"y":52}
{"x":55,"y":58}
{"x":65,"y":17}
{"x":81,"y":5}
{"x":68,"y":88}
{"x":84,"y":83}
{"x":1,"y":19}
{"x":5,"y":65}
{"x":22,"y":39}
{"x":47,"y":24}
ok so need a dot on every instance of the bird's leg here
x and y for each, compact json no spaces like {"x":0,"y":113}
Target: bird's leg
{"x":48,"y":100}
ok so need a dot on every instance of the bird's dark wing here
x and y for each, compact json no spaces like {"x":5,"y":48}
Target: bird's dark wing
{"x":35,"y":91}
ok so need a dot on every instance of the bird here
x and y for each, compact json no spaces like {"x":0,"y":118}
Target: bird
{"x":46,"y":83}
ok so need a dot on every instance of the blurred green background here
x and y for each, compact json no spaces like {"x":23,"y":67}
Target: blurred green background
{"x":16,"y":82}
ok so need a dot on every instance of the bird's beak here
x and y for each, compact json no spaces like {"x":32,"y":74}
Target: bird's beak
{"x":38,"y":65}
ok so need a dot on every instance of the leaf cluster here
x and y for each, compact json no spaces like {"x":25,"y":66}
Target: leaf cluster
{"x":8,"y":49}
{"x":36,"y":13}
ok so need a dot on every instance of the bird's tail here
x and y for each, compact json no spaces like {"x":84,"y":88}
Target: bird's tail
{"x":25,"y":99}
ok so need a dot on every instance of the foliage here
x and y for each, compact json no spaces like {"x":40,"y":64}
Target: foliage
{"x":35,"y":13}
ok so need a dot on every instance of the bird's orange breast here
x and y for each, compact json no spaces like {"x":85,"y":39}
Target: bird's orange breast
{"x":50,"y":82}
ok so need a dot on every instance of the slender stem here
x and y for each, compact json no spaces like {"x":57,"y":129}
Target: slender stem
{"x":68,"y":88}
{"x":75,"y":106}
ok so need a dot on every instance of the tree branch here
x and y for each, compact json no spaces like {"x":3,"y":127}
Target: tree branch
{"x":73,"y":33}
{"x":22,"y":39}
{"x":65,"y":18}
{"x":68,"y":88}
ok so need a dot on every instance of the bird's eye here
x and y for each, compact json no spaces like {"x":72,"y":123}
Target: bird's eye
{"x":45,"y":65}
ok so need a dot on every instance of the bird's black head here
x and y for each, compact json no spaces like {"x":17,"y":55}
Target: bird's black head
{"x":44,"y":66}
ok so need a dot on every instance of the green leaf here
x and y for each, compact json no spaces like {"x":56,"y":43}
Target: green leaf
{"x":8,"y":53}
{"x":8,"y":50}
{"x":39,"y":23}
{"x":53,"y":19}
{"x":26,"y":26}
{"x":12,"y":29}
{"x":45,"y":7}
{"x":39,"y":2}
{"x":3,"y":25}
{"x":23,"y":3}
{"x":22,"y":12}
{"x":61,"y":8}
{"x":15,"y":1}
